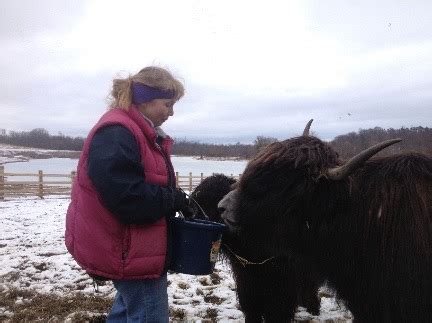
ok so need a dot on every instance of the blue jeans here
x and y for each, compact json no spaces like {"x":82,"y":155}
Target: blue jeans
{"x":140,"y":301}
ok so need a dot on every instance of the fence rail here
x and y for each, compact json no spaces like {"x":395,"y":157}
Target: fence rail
{"x":42,"y":184}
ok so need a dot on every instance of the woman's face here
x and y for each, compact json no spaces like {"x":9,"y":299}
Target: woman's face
{"x":158,"y":110}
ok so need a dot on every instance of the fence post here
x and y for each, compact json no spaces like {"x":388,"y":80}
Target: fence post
{"x":190,"y":181}
{"x":2,"y":184}
{"x":202,"y":177}
{"x":41,"y":184}
{"x":177,"y":179}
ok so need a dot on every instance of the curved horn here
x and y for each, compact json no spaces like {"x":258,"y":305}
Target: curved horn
{"x":307,"y":128}
{"x":341,"y":172}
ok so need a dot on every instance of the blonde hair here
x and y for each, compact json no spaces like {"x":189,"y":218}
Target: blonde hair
{"x":157,"y":77}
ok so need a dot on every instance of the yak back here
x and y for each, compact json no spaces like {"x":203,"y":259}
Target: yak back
{"x":390,"y":224}
{"x":392,"y":204}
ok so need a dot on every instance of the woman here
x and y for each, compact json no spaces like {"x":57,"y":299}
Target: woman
{"x":116,"y":224}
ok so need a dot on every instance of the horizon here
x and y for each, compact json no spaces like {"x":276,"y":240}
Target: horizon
{"x":230,"y":141}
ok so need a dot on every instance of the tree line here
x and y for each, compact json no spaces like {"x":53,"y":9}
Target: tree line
{"x":40,"y":138}
{"x":413,"y":139}
{"x":206,"y":150}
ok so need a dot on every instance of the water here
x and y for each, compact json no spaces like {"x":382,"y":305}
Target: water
{"x":182,"y":165}
{"x":51,"y":166}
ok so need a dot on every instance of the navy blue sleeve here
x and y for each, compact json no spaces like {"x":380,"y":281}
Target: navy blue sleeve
{"x":114,"y":167}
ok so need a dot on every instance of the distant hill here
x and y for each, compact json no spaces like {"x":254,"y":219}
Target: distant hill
{"x":417,"y":139}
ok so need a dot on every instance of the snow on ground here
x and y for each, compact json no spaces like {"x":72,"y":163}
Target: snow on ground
{"x":12,"y":154}
{"x":33,"y":256}
{"x":9,"y":156}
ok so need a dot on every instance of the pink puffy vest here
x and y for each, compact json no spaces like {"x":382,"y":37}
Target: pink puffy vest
{"x":98,"y":242}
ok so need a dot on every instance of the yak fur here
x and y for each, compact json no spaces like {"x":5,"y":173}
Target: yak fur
{"x":270,"y":291}
{"x":368,"y":235}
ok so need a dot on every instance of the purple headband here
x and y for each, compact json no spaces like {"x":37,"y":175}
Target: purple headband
{"x":144,"y":93}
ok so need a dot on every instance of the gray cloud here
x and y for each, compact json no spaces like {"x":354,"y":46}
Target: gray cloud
{"x":21,"y":19}
{"x":349,"y":66}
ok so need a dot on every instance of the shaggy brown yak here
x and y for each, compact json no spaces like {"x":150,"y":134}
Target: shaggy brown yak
{"x":366,"y":226}
{"x":268,"y":288}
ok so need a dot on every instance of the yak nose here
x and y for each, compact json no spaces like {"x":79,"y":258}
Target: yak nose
{"x":226,"y":206}
{"x":228,"y":200}
{"x":221,"y":206}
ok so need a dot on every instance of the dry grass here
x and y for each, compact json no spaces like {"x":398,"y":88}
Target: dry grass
{"x":30,"y":306}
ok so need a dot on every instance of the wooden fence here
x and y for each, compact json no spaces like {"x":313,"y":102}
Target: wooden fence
{"x":43,"y":184}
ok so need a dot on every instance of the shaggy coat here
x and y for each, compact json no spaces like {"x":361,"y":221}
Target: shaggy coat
{"x":271,"y":290}
{"x":208,"y":194}
{"x":369,"y":235}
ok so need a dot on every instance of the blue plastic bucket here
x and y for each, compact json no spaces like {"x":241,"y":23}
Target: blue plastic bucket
{"x":195,"y":245}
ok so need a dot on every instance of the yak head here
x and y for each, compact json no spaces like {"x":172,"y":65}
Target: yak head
{"x":290,"y":190}
{"x":206,"y":196}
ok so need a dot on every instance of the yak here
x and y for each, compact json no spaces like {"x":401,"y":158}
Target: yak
{"x":364,"y":225}
{"x":267,"y":287}
{"x":206,"y":196}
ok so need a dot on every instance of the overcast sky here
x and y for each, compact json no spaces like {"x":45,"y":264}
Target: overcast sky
{"x":249,"y":67}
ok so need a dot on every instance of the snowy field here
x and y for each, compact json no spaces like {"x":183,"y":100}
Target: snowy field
{"x":33,"y":257}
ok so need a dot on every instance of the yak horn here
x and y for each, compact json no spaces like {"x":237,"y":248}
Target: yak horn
{"x":341,"y":172}
{"x":307,"y":128}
